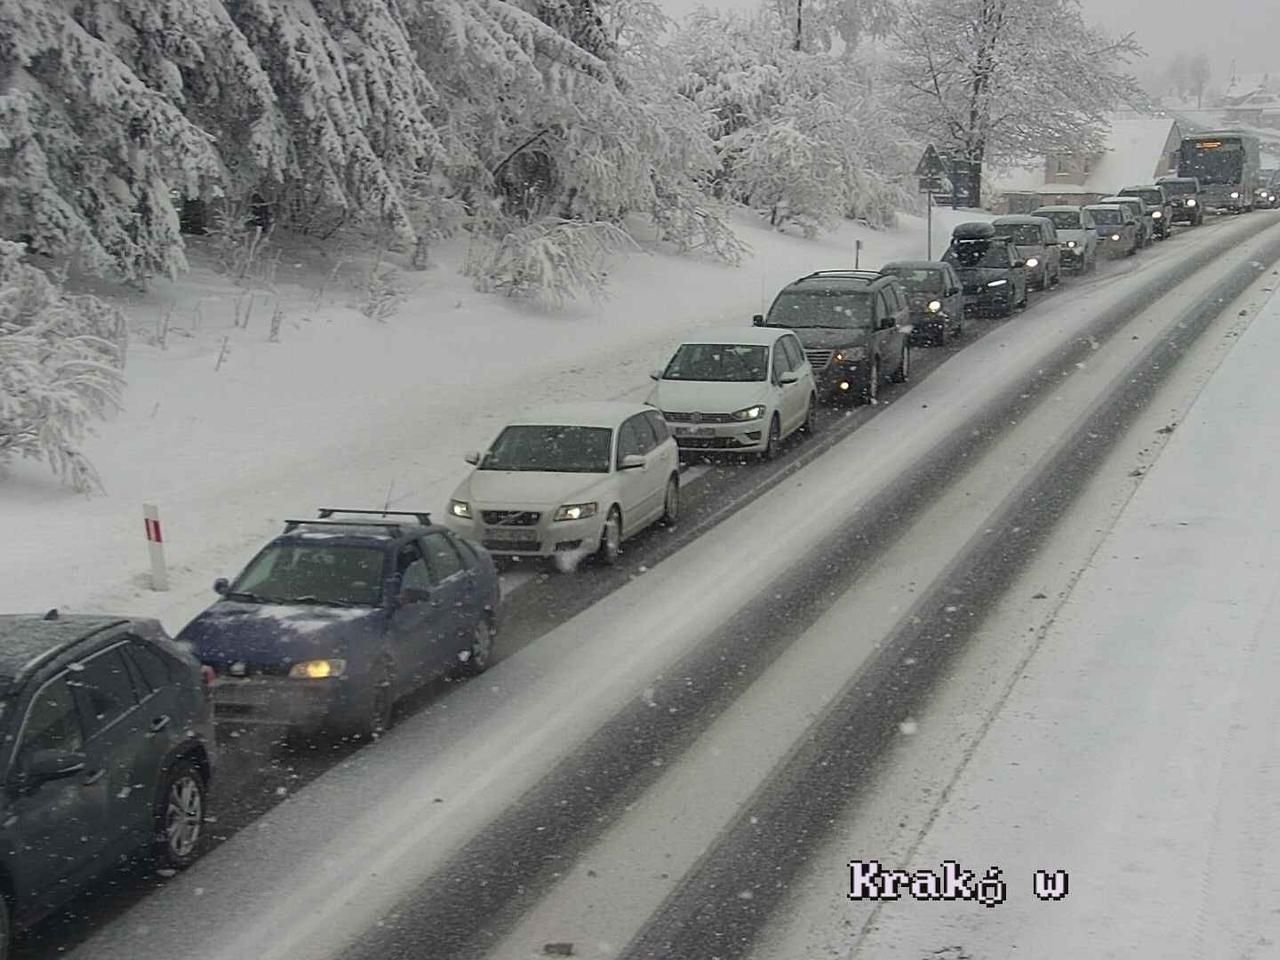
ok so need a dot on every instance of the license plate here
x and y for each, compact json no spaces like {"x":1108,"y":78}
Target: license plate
{"x":508,"y":535}
{"x":695,"y":431}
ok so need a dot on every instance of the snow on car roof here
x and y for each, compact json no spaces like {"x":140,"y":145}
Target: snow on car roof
{"x":597,"y":413}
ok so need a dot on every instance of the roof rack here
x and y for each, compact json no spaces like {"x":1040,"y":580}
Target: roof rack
{"x":326,"y":513}
{"x":856,"y":274}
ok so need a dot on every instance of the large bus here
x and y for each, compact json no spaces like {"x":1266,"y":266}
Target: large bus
{"x":1226,"y":163}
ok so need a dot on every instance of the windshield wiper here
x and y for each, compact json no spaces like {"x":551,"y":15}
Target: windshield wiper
{"x":316,"y":601}
{"x":246,"y":596}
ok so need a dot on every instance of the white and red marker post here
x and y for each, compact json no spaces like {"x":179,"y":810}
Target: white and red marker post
{"x":155,"y":544}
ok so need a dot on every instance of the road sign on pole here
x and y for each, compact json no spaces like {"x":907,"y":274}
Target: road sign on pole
{"x":930,"y":164}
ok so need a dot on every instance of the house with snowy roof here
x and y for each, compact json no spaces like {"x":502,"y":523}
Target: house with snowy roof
{"x":1137,"y":149}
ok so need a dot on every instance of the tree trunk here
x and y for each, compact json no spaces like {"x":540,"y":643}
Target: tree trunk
{"x":799,"y":24}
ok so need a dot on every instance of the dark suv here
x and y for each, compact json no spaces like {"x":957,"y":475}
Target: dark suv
{"x":108,"y":751}
{"x":1184,"y":197}
{"x":1157,"y":200}
{"x":991,"y":269}
{"x":854,"y":326}
{"x":336,"y":619}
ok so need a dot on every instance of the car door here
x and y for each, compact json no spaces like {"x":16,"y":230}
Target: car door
{"x":797,"y":393}
{"x":54,"y":830}
{"x":116,"y":745}
{"x":953,"y":302}
{"x":787,"y":393}
{"x":800,"y":364}
{"x":415,"y":636}
{"x":667,"y":453}
{"x":634,"y":484}
{"x":162,"y":721}
{"x":455,"y":603}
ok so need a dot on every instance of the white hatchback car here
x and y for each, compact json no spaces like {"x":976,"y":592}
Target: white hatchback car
{"x":570,"y":480}
{"x":738,"y":389}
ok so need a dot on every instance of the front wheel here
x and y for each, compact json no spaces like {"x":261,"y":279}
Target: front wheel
{"x":479,"y":654}
{"x":904,"y":365}
{"x":179,"y":816}
{"x":671,"y":502}
{"x":610,"y":538}
{"x":772,"y":440}
{"x":871,"y":392}
{"x":810,"y":425}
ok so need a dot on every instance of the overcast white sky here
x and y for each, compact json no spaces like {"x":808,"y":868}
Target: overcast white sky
{"x":1246,"y":30}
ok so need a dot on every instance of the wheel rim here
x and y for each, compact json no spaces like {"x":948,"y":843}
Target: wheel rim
{"x":481,"y":645}
{"x":184,"y":816}
{"x":673,"y":501}
{"x":874,"y":392}
{"x":906,"y":362}
{"x":612,"y":535}
{"x":382,"y":703}
{"x":774,"y":432}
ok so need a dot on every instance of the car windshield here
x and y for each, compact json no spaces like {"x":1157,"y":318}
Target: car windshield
{"x":1062,"y":219}
{"x":1024,"y":233}
{"x":1179,"y":188}
{"x":917,"y":280}
{"x":1107,"y":216}
{"x":551,"y":449}
{"x":719,"y":362}
{"x":1153,"y":198}
{"x":832,"y":307}
{"x":976,"y":254}
{"x":318,"y":573}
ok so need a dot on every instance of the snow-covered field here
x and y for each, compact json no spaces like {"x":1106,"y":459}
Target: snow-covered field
{"x":348,"y":411}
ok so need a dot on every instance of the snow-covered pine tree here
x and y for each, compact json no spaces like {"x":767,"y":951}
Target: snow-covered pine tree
{"x":60,"y":363}
{"x":92,"y":154}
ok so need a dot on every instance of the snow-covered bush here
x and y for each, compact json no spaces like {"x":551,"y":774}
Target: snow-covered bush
{"x":551,"y":260}
{"x":60,"y":368}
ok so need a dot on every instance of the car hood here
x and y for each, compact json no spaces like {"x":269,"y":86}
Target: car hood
{"x":269,"y":634}
{"x":831,"y":338}
{"x":970,"y":275}
{"x":700,"y":396}
{"x":1076,"y":235}
{"x":525,"y":489}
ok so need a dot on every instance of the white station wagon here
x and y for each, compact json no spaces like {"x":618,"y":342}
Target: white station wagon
{"x":570,"y":480}
{"x":737,"y":389}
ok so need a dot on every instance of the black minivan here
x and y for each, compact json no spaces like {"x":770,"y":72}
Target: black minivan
{"x":108,"y":751}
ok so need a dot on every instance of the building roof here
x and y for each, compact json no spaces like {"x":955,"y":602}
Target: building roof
{"x":1135,"y":152}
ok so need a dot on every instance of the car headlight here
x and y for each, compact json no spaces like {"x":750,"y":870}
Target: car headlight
{"x":997,"y":283}
{"x":1156,"y":214}
{"x":1032,"y":262}
{"x":1235,"y":195}
{"x":460,"y":509}
{"x":1191,"y":202}
{"x":935,"y":306}
{"x":1071,"y":244}
{"x":576,"y":511}
{"x":851,"y":354}
{"x":317,"y":669}
{"x":1115,"y":236}
{"x":750,"y":413}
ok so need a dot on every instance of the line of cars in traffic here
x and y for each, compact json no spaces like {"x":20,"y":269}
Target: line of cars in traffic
{"x":111,"y":743}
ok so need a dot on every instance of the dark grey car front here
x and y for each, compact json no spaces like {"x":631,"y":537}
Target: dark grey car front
{"x":993,"y":276}
{"x":935,"y":298}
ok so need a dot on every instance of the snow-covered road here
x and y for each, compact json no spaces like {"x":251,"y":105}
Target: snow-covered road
{"x":422,"y":812}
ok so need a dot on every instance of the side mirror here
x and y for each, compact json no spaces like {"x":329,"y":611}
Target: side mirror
{"x":473,"y":458}
{"x":758,"y":320}
{"x":655,"y":374}
{"x":222,"y":586}
{"x":789,"y":377}
{"x":46,"y":765}
{"x":954,"y":292}
{"x":632,"y":461}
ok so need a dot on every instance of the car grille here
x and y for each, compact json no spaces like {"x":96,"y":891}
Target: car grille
{"x":708,"y":443}
{"x":819,"y":359}
{"x":698,"y":417}
{"x":511,"y":518}
{"x":511,"y":546}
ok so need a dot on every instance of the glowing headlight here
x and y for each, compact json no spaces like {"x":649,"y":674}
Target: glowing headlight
{"x":750,"y":413}
{"x":851,"y":353}
{"x":1032,"y":262}
{"x":1235,"y":195}
{"x":460,"y":509}
{"x":1156,"y":214}
{"x":1071,"y":244}
{"x":997,"y":283}
{"x":317,"y":669}
{"x":1115,"y":236}
{"x":576,"y":511}
{"x":1191,"y":202}
{"x":935,"y":306}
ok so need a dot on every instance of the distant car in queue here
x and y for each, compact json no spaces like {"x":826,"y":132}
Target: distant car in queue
{"x":992,"y":272}
{"x":340,"y":616}
{"x":1158,"y":207}
{"x":1037,"y":243}
{"x":1141,"y":216}
{"x":855,"y":327}
{"x":1117,"y":229}
{"x":935,"y":297}
{"x":1184,"y":199}
{"x":1077,"y":236}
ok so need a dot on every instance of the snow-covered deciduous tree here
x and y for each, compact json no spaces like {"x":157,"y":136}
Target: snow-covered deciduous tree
{"x":551,"y":260}
{"x":1008,"y":80}
{"x":60,"y":368}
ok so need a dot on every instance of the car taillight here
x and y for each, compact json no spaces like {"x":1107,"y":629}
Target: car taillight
{"x":208,"y":674}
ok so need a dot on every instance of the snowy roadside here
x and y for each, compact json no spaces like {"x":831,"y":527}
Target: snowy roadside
{"x":1139,"y":752}
{"x":347,"y":411}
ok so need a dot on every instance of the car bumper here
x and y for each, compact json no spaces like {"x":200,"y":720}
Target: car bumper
{"x":926,"y":325}
{"x":285,"y":702}
{"x":1072,"y":256}
{"x":544,"y":539}
{"x":988,"y":298}
{"x":749,"y":435}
